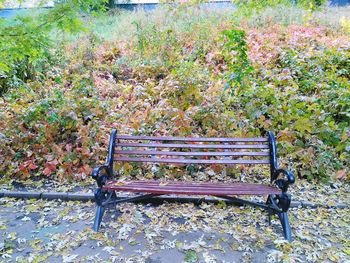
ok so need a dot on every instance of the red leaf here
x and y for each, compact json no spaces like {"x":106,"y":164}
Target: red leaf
{"x":86,"y":169}
{"x":33,"y":166}
{"x":50,"y":167}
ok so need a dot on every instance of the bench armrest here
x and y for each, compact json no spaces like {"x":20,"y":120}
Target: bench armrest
{"x":285,"y":182}
{"x":108,"y":166}
{"x":100,"y":179}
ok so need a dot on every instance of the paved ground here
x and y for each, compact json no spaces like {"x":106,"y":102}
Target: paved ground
{"x":55,"y":231}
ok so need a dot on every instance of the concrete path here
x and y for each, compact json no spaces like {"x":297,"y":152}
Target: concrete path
{"x":55,"y":231}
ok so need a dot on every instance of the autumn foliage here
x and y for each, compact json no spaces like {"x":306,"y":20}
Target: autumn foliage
{"x":169,"y":79}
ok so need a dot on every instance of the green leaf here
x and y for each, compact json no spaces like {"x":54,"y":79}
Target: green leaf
{"x":191,"y":256}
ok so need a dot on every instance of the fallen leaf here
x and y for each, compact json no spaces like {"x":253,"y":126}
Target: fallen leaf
{"x":340,"y":174}
{"x":69,"y":258}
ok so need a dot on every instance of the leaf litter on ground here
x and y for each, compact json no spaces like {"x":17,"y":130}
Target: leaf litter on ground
{"x":41,"y":230}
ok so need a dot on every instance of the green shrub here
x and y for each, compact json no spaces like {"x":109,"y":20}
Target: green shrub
{"x":235,"y":52}
{"x":306,"y":100}
{"x":25,"y":41}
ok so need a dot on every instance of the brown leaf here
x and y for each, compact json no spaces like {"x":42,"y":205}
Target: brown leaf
{"x":50,"y":167}
{"x":86,"y":169}
{"x":341,"y":174}
{"x":24,"y":171}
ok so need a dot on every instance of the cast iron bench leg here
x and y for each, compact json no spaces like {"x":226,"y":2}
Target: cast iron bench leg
{"x":98,"y":217}
{"x":282,"y":204}
{"x":102,"y":198}
{"x":285,"y":225}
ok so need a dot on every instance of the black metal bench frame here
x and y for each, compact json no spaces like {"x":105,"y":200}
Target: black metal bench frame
{"x":277,"y":204}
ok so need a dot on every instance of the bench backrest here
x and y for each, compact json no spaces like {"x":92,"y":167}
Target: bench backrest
{"x":184,"y":150}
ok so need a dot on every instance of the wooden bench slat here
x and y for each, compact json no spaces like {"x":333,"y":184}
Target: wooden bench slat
{"x":153,"y":183}
{"x":195,"y":146}
{"x":189,"y":161}
{"x":192,"y":188}
{"x":170,"y":153}
{"x":188,"y":139}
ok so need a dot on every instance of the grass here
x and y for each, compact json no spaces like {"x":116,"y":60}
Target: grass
{"x":121,"y":24}
{"x":328,"y":16}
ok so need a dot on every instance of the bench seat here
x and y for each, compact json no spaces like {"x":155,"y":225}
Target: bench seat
{"x":186,"y":188}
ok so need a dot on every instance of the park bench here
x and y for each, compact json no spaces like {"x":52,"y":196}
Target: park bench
{"x":189,"y":151}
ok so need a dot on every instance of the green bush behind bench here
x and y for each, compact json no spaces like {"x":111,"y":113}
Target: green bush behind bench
{"x":166,"y":74}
